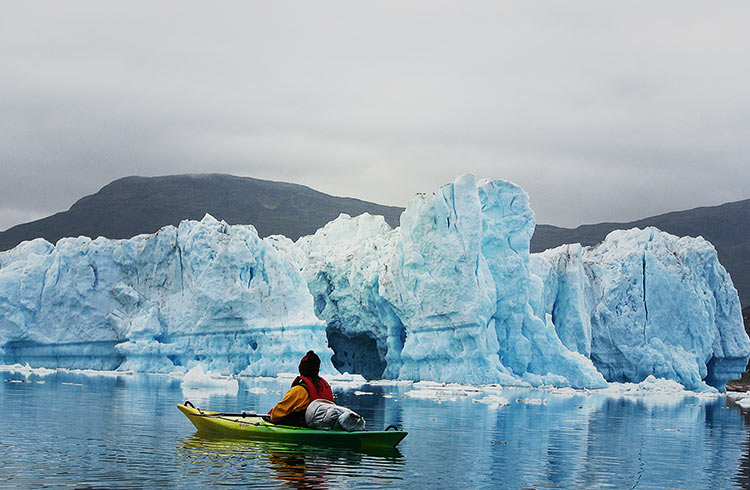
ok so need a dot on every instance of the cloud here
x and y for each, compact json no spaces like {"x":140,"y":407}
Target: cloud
{"x":600,"y":112}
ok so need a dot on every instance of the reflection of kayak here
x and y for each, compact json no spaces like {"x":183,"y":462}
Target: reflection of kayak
{"x":252,"y":426}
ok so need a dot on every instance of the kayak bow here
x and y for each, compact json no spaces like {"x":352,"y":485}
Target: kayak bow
{"x":253,"y":426}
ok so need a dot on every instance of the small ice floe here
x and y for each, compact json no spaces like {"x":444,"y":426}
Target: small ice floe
{"x":72,"y":384}
{"x":26,"y":370}
{"x":441,"y":392}
{"x":657,"y":392}
{"x":258,"y":390}
{"x":346,"y":381}
{"x":198,"y":382}
{"x":566,"y":392}
{"x":531,"y":401}
{"x":741,"y":398}
{"x":361,"y":393}
{"x":737,"y":395}
{"x":493,"y":401}
{"x":390,"y":382}
{"x":96,"y":372}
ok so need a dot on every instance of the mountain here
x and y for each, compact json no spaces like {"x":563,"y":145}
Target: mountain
{"x":134,"y":205}
{"x":726,"y":226}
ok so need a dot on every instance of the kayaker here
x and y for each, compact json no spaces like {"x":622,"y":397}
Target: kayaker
{"x":306,"y":387}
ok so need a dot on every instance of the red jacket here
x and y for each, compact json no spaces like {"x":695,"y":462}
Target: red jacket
{"x":320,"y":390}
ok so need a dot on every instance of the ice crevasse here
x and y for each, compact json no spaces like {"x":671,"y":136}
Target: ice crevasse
{"x":451,"y":295}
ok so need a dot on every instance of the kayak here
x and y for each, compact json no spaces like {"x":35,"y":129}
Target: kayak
{"x":253,"y":426}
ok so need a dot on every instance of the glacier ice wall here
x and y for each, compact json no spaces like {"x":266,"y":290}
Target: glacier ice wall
{"x":203,"y":291}
{"x":451,"y":295}
{"x":647,"y":303}
{"x":455,"y":295}
{"x":446,"y":295}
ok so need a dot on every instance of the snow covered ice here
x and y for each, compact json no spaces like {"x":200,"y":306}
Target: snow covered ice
{"x":452,"y":295}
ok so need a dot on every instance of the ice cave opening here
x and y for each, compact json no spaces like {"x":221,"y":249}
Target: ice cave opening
{"x":356,"y":353}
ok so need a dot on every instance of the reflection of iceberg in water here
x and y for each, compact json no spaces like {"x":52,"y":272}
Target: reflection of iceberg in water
{"x":742,"y":478}
{"x":580,"y":439}
{"x":234,"y":461}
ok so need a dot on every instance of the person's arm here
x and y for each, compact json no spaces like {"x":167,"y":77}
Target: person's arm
{"x":295,"y":399}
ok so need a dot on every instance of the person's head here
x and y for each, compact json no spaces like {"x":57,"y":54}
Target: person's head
{"x":309,"y":366}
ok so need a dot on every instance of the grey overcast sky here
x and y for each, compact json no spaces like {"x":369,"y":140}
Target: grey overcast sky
{"x":600,"y":110}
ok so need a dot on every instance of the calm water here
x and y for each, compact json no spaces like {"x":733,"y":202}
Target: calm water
{"x":82,"y":431}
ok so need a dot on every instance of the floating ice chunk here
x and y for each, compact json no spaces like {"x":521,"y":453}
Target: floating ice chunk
{"x":198,"y":380}
{"x":493,"y":400}
{"x":651,"y":384}
{"x":26,"y":370}
{"x":567,"y":392}
{"x":442,"y":392}
{"x":258,"y":390}
{"x":737,"y":395}
{"x":390,"y":382}
{"x":97,"y":372}
{"x":657,"y":392}
{"x":531,"y":401}
{"x":346,"y":381}
{"x":744,"y":402}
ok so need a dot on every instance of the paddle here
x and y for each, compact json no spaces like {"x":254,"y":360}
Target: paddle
{"x":243,"y":414}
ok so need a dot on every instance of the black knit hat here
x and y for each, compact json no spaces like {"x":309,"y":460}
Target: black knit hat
{"x":309,"y":366}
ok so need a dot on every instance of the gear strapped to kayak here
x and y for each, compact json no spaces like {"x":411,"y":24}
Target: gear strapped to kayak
{"x":255,"y":426}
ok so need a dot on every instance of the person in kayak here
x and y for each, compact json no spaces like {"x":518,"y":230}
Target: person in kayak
{"x":306,"y":387}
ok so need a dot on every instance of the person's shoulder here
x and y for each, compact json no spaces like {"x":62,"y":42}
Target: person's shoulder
{"x":298,"y":389}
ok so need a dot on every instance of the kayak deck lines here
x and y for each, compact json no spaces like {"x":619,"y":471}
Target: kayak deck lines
{"x":256,"y":426}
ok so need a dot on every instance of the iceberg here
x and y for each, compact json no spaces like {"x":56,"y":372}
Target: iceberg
{"x":201,"y":292}
{"x":446,"y":296}
{"x":645,"y":302}
{"x":453,"y":295}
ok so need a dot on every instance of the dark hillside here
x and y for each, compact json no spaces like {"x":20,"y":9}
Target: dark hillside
{"x":135,"y":205}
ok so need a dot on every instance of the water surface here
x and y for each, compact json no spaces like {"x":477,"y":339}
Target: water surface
{"x":73,"y":430}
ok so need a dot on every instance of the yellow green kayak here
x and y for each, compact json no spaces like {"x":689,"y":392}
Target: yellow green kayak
{"x":253,"y":426}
